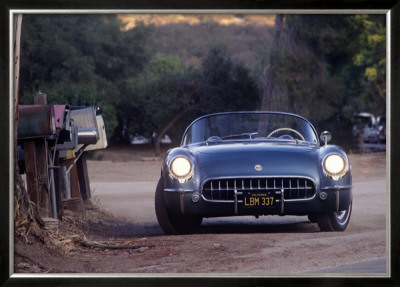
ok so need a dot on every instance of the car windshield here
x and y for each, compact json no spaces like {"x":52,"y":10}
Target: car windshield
{"x":246,"y":126}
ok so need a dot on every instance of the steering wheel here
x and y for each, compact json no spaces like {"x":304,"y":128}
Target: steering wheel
{"x":285,"y":129}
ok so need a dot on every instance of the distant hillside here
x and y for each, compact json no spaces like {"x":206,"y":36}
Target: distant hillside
{"x":158,"y":19}
{"x":245,"y":44}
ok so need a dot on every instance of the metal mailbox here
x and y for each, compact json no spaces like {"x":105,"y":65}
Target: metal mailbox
{"x":67,"y":133}
{"x":87,"y":136}
{"x":84,"y":118}
{"x":36,"y":121}
{"x":70,"y":144}
{"x":102,"y":142}
{"x":60,"y":113}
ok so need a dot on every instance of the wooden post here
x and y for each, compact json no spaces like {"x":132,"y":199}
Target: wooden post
{"x":43,"y":175}
{"x":40,"y":99}
{"x":17,"y":49}
{"x":75,"y":190}
{"x":37,"y":175}
{"x":83,"y":177}
{"x":58,"y":182}
{"x":75,"y":203}
{"x":31,"y":171}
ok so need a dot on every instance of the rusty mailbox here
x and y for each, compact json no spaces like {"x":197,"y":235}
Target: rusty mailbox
{"x":53,"y":139}
{"x":36,"y":121}
{"x":36,"y":126}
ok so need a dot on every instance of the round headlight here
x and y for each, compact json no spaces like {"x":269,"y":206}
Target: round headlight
{"x":181,"y":168}
{"x":335,"y":166}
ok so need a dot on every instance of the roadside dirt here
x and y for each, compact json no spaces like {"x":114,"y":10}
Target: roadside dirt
{"x":102,"y":242}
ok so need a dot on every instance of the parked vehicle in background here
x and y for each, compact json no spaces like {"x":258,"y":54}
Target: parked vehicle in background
{"x":381,"y":128}
{"x":366,"y":124}
{"x":253,"y":163}
{"x":139,"y":139}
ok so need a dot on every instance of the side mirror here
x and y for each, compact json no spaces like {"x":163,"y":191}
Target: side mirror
{"x":325,"y":137}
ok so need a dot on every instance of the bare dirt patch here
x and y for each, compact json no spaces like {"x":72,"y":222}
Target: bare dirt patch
{"x":269,"y":245}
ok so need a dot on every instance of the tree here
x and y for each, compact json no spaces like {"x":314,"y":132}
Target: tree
{"x":270,"y":77}
{"x":163,"y":95}
{"x":226,"y":85}
{"x":80,"y":60}
{"x":310,"y":65}
{"x":270,"y":94}
{"x":370,"y":58}
{"x":157,"y":98}
{"x":298,"y":75}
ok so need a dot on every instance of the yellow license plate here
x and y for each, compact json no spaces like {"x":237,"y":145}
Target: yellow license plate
{"x":258,"y":200}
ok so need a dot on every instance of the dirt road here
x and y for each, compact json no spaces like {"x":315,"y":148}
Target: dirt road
{"x":270,"y":245}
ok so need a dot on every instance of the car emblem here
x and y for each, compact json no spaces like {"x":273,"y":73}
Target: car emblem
{"x":258,"y":167}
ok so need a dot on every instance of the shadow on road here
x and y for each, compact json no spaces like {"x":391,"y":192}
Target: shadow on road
{"x":227,"y":227}
{"x":239,"y":225}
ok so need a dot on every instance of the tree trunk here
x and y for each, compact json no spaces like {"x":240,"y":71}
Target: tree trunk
{"x":157,"y":143}
{"x":270,"y":80}
{"x":17,"y":47}
{"x":23,"y":210}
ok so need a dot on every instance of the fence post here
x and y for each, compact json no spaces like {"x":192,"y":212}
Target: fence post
{"x":58,"y":181}
{"x":83,"y":178}
{"x":75,"y":203}
{"x":40,"y":99}
{"x":37,"y":174}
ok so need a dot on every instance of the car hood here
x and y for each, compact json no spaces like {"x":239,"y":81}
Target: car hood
{"x":240,"y":159}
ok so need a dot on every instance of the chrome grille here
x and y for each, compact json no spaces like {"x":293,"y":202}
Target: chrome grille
{"x":225,"y":189}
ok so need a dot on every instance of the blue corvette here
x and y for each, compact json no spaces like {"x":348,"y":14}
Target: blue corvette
{"x":253,"y":163}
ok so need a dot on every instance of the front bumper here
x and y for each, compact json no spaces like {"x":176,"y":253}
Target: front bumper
{"x":326,"y":199}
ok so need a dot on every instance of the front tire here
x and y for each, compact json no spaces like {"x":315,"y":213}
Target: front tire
{"x":173,"y":223}
{"x":334,"y":221}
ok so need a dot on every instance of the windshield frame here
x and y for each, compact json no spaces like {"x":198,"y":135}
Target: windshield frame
{"x":317,"y":143}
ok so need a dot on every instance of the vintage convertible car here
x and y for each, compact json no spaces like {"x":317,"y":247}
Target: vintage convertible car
{"x":253,"y":163}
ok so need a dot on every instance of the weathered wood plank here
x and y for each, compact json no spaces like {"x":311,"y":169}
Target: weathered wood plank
{"x":76,"y":202}
{"x":37,"y":175}
{"x":31,"y":173}
{"x":83,"y":177}
{"x":75,"y":189}
{"x":43,"y":177}
{"x":59,"y":186}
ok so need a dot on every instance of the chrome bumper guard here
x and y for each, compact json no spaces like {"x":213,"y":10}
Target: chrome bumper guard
{"x":337,"y":189}
{"x":181,"y":192}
